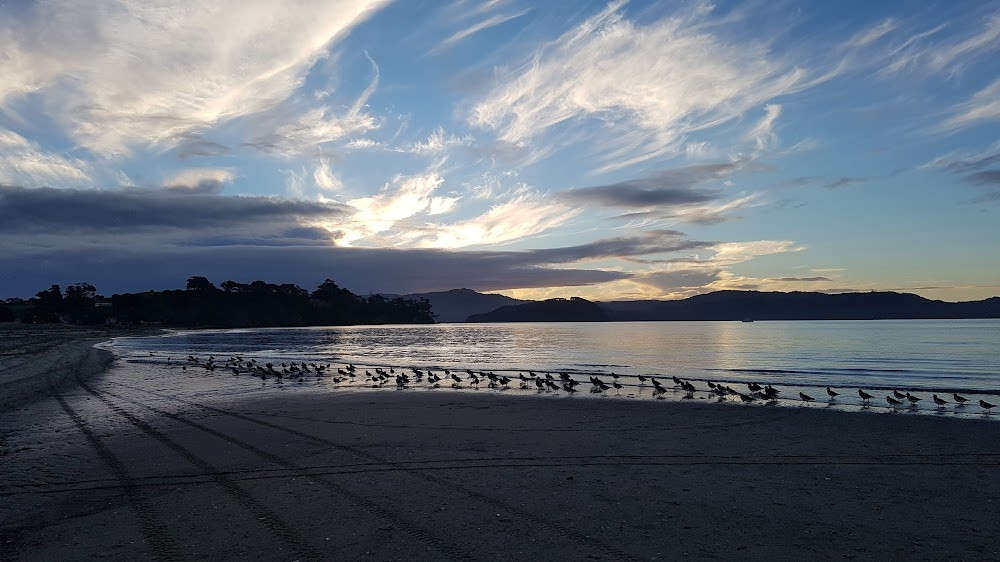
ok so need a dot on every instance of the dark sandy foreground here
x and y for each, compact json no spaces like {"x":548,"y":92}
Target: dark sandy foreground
{"x":108,"y":470}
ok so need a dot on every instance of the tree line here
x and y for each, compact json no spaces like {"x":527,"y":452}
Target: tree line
{"x":231,"y":305}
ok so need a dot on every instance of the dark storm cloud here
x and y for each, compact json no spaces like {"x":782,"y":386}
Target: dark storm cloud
{"x":136,"y":240}
{"x":652,"y":242}
{"x":64,"y":211}
{"x":206,"y":186}
{"x":667,"y":188}
{"x":361,"y":270}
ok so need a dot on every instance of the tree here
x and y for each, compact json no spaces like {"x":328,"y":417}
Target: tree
{"x":80,"y":292}
{"x":51,"y":297}
{"x":201,"y":284}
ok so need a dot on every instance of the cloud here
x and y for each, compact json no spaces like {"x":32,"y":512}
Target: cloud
{"x":962,"y":162}
{"x":403,"y":197}
{"x":67,"y":218}
{"x":798,"y":279}
{"x":122,"y":74}
{"x":763,"y":134}
{"x":194,"y":145}
{"x":200,"y":180}
{"x":438,"y":143}
{"x":976,"y":168}
{"x":23,"y":162}
{"x":324,"y":178}
{"x":524,"y":214}
{"x":983,"y":106}
{"x":666,"y":188}
{"x":871,"y":35}
{"x":649,"y":243}
{"x":650,"y":85}
{"x":948,"y":55}
{"x":844,"y":181}
{"x":489,"y":22}
{"x":985,"y":177}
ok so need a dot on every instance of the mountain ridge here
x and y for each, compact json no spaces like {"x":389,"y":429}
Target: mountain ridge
{"x":755,"y":305}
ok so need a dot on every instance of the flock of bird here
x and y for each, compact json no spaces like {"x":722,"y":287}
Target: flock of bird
{"x":543,"y":382}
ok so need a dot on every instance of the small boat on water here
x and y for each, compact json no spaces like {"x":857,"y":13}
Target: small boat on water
{"x":748,"y":319}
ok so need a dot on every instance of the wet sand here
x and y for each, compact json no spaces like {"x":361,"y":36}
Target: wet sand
{"x":106,"y":468}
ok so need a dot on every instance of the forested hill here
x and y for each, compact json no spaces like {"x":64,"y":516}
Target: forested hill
{"x":754,"y":305}
{"x":458,"y":304}
{"x":552,"y":310}
{"x":232,"y":305}
{"x":738,"y":305}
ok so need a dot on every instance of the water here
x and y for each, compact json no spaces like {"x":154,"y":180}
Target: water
{"x":922,"y":357}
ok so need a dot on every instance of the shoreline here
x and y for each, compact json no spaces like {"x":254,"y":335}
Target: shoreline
{"x":127,"y":467}
{"x":34,"y":358}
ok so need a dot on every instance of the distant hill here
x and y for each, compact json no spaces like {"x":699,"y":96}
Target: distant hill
{"x":737,"y":305}
{"x":458,"y":304}
{"x":551,"y":310}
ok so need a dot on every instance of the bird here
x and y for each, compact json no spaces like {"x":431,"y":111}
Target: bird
{"x":892,"y":401}
{"x":939,"y":401}
{"x":913,"y":399}
{"x":833,"y":394}
{"x":805,"y":397}
{"x":754,"y":387}
{"x":899,"y":395}
{"x":986,"y":406}
{"x":864,"y":395}
{"x":961,"y":400}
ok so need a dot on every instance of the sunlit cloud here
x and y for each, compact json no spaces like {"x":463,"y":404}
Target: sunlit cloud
{"x":124,"y":74}
{"x":200,"y":180}
{"x":983,"y":106}
{"x":23,"y":162}
{"x":650,"y":84}
{"x":524,"y":214}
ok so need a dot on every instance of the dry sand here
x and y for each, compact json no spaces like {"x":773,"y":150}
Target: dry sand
{"x":105,"y":469}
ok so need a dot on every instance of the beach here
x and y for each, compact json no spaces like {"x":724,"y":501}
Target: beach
{"x":102,"y":467}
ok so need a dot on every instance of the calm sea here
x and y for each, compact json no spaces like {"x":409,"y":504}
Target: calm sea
{"x":923,"y":357}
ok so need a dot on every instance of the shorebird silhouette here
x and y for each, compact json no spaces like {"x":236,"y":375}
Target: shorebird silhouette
{"x":892,"y":401}
{"x":960,"y":399}
{"x":864,"y":396}
{"x":746,"y":398}
{"x":899,"y":395}
{"x":805,"y":397}
{"x":913,"y":399}
{"x":833,"y":395}
{"x":939,"y":401}
{"x":986,"y":406}
{"x":754,"y":387}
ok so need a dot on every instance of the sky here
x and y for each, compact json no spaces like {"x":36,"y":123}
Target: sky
{"x":608,"y":150}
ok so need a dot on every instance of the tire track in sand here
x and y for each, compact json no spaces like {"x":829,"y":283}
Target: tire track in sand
{"x":288,"y":535}
{"x":417,"y":533}
{"x":597,"y":545}
{"x":153,"y":531}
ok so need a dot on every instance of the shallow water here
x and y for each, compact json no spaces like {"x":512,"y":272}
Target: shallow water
{"x":922,"y":357}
